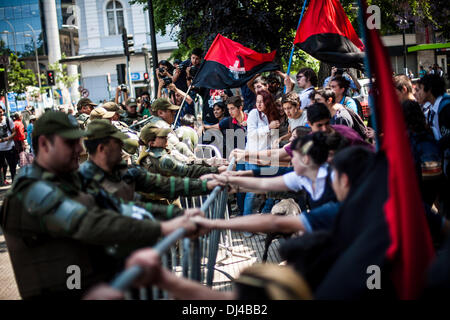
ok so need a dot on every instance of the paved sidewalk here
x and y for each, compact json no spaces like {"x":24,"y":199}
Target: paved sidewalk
{"x":8,"y":287}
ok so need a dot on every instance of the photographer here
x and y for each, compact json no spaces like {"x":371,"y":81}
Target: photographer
{"x":354,"y":84}
{"x":121,"y":91}
{"x":185,"y":70}
{"x":144,"y":104}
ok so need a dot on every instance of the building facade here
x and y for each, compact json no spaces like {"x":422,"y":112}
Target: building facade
{"x":100,"y":26}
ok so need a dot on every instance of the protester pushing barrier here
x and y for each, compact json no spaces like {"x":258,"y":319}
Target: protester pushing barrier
{"x":213,"y":207}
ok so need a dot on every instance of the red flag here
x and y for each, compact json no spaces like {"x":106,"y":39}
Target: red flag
{"x":326,"y":33}
{"x":228,"y":64}
{"x":411,"y":249}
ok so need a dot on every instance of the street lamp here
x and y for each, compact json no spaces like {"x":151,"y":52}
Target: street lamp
{"x":14,"y":35}
{"x":402,"y":23}
{"x":35,"y":52}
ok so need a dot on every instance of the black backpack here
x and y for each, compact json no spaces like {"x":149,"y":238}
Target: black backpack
{"x":358,"y":106}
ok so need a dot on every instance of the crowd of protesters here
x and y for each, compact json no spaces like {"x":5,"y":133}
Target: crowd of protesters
{"x":291,"y":140}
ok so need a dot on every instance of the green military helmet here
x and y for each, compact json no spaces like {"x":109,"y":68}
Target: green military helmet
{"x":99,"y":129}
{"x":59,"y":123}
{"x":130,"y":146}
{"x":84,"y":102}
{"x":163,"y":104}
{"x":112,"y":106}
{"x":101,"y":113}
{"x":131,"y":102}
{"x":150,"y":131}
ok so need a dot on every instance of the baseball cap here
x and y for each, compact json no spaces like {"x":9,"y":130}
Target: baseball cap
{"x":151,"y":131}
{"x":112,"y":106}
{"x":85,"y":101}
{"x":101,"y":113}
{"x":99,"y":129}
{"x":163,"y":104}
{"x":131,"y":102}
{"x":59,"y":123}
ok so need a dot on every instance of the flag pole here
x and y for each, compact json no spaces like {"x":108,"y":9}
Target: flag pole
{"x":174,"y":124}
{"x":368,"y":73}
{"x":293,"y":45}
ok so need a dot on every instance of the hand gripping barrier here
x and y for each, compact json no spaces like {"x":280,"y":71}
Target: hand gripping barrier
{"x":196,"y":258}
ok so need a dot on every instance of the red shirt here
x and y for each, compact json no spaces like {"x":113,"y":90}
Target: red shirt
{"x":20,"y":130}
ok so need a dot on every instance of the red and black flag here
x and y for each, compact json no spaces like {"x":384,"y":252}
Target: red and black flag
{"x":382,"y":224}
{"x":411,"y":250}
{"x":326,"y":33}
{"x":229,"y":64}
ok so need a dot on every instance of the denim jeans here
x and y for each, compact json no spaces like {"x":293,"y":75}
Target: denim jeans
{"x":240,"y":196}
{"x":249,"y":196}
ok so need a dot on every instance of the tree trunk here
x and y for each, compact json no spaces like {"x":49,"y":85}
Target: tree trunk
{"x":324,"y":72}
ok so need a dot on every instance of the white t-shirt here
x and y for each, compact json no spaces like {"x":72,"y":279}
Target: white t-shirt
{"x":304,"y":98}
{"x":300,"y":121}
{"x":5,"y":132}
{"x":297,"y":183}
{"x":259,"y":136}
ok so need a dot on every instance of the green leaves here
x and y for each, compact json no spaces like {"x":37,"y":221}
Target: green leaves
{"x":19,"y":78}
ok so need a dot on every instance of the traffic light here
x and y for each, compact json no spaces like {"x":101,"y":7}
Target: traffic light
{"x":3,"y":81}
{"x":128,"y":43}
{"x":121,"y":73}
{"x":145,"y":76}
{"x":50,"y":77}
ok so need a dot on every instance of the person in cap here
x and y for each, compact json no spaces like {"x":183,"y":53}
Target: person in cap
{"x":158,"y":159}
{"x":101,"y":113}
{"x":50,"y":222}
{"x":84,"y":108}
{"x":131,"y":115}
{"x":106,"y":170}
{"x":164,"y":114}
{"x":114,"y":107}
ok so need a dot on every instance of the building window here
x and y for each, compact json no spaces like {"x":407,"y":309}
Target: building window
{"x":114,"y":14}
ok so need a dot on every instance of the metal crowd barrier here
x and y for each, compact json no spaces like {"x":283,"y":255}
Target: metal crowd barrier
{"x":195,"y":259}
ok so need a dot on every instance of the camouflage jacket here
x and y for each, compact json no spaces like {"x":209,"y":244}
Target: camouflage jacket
{"x":125,"y":181}
{"x":159,"y":160}
{"x":50,"y":222}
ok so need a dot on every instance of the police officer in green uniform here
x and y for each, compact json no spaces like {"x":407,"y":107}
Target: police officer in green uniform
{"x":131,"y":115}
{"x":163,"y":116}
{"x":84,"y":107}
{"x":104,"y":170}
{"x":53,"y":227}
{"x":157,"y":157}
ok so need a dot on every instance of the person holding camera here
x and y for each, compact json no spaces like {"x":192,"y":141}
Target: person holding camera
{"x":121,"y":94}
{"x":144,"y":105}
{"x":354,"y":84}
{"x":187,"y":69}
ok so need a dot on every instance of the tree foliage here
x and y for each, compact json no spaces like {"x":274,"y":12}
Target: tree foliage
{"x":61,"y":75}
{"x":19,"y":78}
{"x":266,"y":25}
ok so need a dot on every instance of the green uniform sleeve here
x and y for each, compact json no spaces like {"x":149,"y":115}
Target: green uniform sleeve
{"x":51,"y":212}
{"x":196,"y":171}
{"x":162,"y":212}
{"x":175,"y":167}
{"x":168,"y":187}
{"x":105,"y":227}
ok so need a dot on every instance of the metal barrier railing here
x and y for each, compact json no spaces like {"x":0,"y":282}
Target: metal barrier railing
{"x":195,"y":259}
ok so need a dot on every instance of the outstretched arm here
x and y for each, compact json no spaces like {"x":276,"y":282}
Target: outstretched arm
{"x":267,"y":223}
{"x":257,"y":184}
